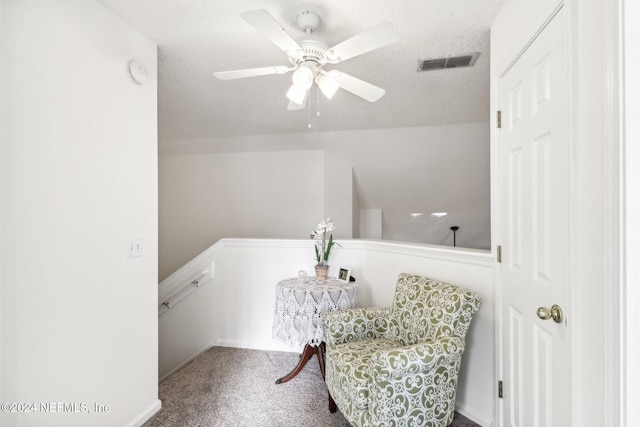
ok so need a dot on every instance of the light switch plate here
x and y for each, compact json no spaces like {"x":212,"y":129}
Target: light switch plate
{"x":135,"y":248}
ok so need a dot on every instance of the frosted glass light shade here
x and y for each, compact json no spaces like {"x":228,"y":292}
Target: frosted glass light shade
{"x":296,"y":94}
{"x":328,"y":86}
{"x":303,"y":78}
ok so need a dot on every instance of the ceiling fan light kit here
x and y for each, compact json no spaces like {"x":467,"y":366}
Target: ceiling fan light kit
{"x":328,"y":86}
{"x":309,"y":56}
{"x":305,"y":74}
{"x":297,"y":95}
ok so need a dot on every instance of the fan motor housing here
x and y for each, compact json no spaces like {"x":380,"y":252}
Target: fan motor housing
{"x":313,"y":50}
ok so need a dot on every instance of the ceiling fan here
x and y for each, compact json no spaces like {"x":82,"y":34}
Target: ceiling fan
{"x":309,"y":55}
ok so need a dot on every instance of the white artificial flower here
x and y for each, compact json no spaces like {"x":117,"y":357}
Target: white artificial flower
{"x":321,"y":234}
{"x":329,"y":225}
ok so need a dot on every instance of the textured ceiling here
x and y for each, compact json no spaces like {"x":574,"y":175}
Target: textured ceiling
{"x":398,"y":168}
{"x":199,"y":37}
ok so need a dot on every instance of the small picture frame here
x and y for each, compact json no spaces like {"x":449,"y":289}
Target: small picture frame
{"x":344,"y":274}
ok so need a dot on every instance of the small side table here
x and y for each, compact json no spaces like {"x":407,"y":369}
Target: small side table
{"x":299,"y":305}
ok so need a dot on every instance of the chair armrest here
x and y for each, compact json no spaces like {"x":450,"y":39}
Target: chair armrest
{"x":402,"y":361}
{"x":355,"y":325}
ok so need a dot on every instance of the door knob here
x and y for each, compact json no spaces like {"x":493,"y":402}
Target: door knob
{"x":555,"y":313}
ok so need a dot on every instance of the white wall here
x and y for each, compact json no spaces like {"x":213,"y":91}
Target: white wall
{"x":79,"y":178}
{"x":370,"y":224}
{"x":236,"y":307}
{"x":206,"y":197}
{"x":338,"y":193}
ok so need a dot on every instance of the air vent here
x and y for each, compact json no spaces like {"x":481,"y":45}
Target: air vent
{"x":448,"y":62}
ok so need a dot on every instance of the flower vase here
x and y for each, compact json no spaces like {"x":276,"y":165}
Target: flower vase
{"x":321,"y":271}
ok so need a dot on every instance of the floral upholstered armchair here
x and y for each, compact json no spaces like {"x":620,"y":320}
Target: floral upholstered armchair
{"x":398,"y":365}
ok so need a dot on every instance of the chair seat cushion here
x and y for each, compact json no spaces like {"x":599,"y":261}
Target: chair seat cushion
{"x":350,"y":365}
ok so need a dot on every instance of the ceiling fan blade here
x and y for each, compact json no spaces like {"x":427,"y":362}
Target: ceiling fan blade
{"x":251,"y":72}
{"x":265,"y":23}
{"x":371,"y":39}
{"x":358,"y":87}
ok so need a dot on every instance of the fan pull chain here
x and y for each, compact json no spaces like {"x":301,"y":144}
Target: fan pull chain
{"x":309,"y":110}
{"x":318,"y":97}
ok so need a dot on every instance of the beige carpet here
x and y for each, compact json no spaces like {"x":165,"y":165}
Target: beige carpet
{"x":236,"y":387}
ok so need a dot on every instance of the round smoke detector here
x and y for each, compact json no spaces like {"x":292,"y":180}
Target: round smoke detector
{"x":308,"y":21}
{"x":137,"y":72}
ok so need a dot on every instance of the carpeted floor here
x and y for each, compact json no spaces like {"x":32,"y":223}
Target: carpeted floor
{"x":236,"y":387}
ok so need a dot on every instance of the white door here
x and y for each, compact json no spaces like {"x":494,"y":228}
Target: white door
{"x":534,"y":171}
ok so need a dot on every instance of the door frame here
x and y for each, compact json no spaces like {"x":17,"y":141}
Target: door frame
{"x":607,"y":399}
{"x":630,"y":245}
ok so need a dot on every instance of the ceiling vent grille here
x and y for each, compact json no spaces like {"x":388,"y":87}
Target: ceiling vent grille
{"x":448,"y":62}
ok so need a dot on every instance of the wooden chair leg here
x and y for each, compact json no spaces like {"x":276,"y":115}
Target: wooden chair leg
{"x":322,"y":358}
{"x":320,"y":352}
{"x":332,"y":404}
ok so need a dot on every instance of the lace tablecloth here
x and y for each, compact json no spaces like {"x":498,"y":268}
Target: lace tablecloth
{"x":301,"y":301}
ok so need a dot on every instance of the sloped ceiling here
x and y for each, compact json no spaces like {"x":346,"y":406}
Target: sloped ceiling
{"x":198,"y":112}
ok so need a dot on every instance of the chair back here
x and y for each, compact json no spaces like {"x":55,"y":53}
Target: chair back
{"x":424,"y":309}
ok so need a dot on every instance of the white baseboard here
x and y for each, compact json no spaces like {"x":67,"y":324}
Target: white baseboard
{"x":186,"y":362}
{"x":270,"y":345}
{"x":146,"y":415}
{"x":267,"y":346}
{"x":474,"y":415}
